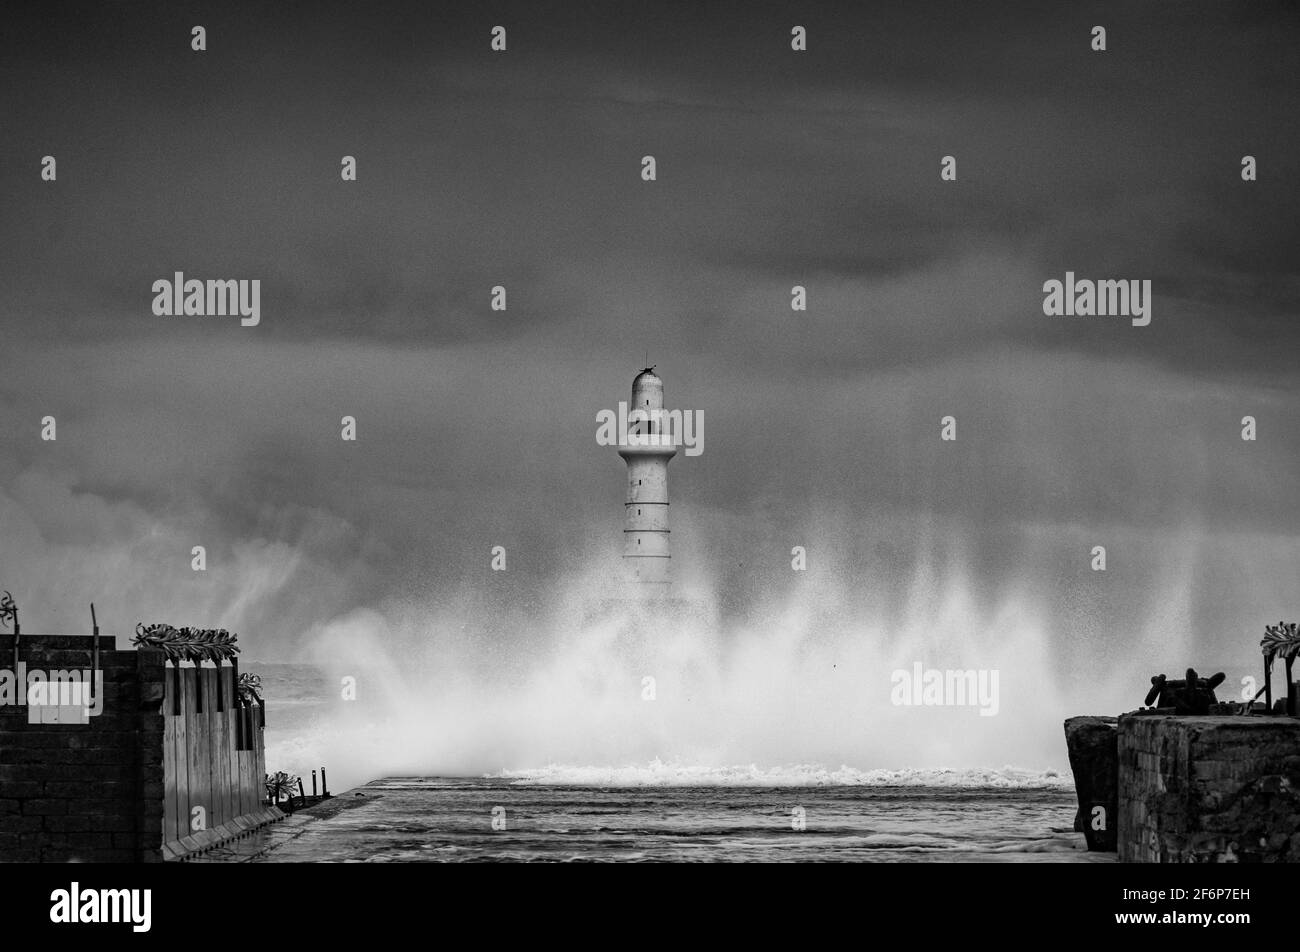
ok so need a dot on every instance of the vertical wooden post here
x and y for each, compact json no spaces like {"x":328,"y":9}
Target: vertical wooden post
{"x":173,"y":762}
{"x":258,"y":748}
{"x":1290,"y":689}
{"x":94,"y":652}
{"x":202,"y":792}
{"x":236,"y":700}
{"x":13,"y":611}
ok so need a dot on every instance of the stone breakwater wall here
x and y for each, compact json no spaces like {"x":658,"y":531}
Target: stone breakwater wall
{"x":1208,"y":789}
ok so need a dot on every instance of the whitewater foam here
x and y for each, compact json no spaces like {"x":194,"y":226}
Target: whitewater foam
{"x":659,"y":774}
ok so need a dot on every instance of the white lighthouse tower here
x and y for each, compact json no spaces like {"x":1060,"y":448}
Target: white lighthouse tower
{"x":649,"y":445}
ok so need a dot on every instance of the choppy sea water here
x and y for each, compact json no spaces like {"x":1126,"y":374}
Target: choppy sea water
{"x":666,"y":811}
{"x":423,"y":819}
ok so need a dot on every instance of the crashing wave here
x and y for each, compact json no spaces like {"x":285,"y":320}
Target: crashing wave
{"x":659,"y":774}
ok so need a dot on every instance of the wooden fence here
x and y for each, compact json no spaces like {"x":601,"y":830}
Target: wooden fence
{"x":204,"y":729}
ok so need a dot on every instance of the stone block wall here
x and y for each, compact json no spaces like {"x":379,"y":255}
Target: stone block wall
{"x":1094,"y":760}
{"x":1209,"y":789}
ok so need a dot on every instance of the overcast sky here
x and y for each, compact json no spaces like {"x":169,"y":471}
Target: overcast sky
{"x":477,"y":428}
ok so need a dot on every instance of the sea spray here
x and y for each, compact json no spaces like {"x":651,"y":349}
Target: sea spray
{"x":804,"y":680}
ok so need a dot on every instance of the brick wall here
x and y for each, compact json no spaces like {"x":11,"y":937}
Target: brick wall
{"x":87,"y":791}
{"x":1209,"y":789}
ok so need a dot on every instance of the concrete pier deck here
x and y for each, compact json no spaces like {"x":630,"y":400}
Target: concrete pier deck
{"x":421,"y":819}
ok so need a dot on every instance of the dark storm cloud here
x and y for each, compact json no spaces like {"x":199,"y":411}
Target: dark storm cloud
{"x":477,"y":171}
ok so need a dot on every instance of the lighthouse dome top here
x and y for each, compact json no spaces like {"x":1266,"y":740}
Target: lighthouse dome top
{"x":648,"y":390}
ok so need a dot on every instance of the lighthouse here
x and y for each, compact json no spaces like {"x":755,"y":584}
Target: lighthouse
{"x":648,"y":446}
